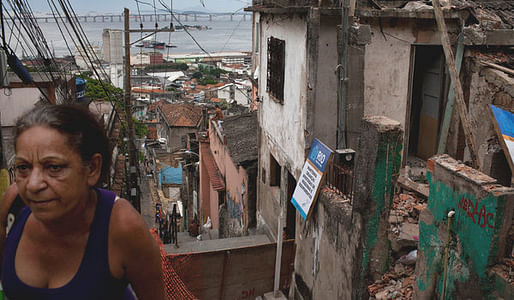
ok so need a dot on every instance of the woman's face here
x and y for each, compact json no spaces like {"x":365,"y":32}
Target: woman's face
{"x":51,"y":176}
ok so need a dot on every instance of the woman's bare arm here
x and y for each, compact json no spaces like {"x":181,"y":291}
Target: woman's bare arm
{"x":136,"y":251}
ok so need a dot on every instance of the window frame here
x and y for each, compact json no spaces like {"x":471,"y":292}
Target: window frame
{"x":276,"y":69}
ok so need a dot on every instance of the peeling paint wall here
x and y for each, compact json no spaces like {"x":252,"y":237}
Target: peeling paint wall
{"x":478,"y":232}
{"x":285,"y":122}
{"x":343,"y":245}
{"x":326,"y":251}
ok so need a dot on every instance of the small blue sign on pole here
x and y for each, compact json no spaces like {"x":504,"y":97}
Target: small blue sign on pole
{"x":307,"y":188}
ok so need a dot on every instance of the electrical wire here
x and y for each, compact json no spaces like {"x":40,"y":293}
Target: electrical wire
{"x":23,"y":12}
{"x":9,"y":49}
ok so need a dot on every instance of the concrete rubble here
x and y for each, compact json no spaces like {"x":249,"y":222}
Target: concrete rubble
{"x":404,"y":236}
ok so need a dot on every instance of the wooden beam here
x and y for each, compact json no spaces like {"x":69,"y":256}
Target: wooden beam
{"x":448,"y":111}
{"x":498,"y":67}
{"x":459,"y":94}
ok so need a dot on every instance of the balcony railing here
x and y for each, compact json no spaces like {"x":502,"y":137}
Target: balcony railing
{"x":296,"y":3}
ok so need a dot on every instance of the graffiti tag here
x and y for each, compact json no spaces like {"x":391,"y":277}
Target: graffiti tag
{"x":248,"y":294}
{"x":480,"y":217}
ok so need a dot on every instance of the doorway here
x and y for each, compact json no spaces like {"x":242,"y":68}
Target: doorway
{"x":429,"y":90}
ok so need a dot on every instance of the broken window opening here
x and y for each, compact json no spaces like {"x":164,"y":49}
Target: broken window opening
{"x":274,"y":172}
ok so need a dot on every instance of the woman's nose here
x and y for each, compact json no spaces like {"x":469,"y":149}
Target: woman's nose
{"x":36,"y":180}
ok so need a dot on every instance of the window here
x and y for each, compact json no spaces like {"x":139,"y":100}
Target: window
{"x":276,"y":66}
{"x":274,"y":172}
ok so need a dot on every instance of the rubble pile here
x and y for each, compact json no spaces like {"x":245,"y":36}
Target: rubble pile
{"x":398,"y":283}
{"x":403,"y":221}
{"x":404,"y":237}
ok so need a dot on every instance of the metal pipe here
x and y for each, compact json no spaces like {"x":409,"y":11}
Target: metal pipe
{"x":446,"y":253}
{"x":342,"y":104}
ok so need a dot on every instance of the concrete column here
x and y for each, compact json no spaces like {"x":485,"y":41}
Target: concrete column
{"x":112,"y":19}
{"x":359,"y":37}
{"x":478,"y":235}
{"x":377,"y":168}
{"x":195,"y":17}
{"x":186,"y":17}
{"x":210,"y":18}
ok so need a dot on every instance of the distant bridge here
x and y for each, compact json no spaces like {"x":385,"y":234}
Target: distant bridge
{"x":150,"y":17}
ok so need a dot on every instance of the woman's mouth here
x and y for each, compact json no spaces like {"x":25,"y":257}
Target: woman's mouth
{"x":40,"y":202}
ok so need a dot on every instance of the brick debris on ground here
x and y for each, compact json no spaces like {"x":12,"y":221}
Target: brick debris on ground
{"x":398,"y":283}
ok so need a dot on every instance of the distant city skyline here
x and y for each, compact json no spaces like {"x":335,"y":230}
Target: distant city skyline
{"x":117,"y":6}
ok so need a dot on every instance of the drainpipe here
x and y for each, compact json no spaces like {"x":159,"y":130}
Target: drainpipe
{"x":446,"y":254}
{"x":342,"y":68}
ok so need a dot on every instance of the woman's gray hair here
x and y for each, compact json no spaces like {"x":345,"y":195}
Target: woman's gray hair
{"x":86,"y":135}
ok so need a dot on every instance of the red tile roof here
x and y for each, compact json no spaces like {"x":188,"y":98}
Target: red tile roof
{"x":216,"y":100}
{"x":154,"y":105}
{"x":182,"y":114}
{"x":213,"y":172}
{"x":148,"y":91}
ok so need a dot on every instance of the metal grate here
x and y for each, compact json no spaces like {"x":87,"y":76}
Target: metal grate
{"x":339,"y":178}
{"x":276,"y":66}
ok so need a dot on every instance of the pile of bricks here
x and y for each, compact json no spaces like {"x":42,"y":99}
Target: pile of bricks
{"x":404,"y":236}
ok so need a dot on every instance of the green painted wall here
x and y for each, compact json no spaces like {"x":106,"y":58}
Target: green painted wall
{"x":474,"y":235}
{"x":387,"y":166}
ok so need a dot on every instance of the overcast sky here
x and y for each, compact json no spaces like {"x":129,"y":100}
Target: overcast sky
{"x":116,"y":6}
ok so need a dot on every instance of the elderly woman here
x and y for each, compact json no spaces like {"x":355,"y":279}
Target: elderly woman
{"x":72,"y":240}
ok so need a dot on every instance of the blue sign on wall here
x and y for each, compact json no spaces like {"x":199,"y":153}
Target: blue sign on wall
{"x":308,"y":184}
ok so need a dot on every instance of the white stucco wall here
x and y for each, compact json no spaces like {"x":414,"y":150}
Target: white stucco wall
{"x":386,"y":72}
{"x":284,"y":124}
{"x":14,"y":102}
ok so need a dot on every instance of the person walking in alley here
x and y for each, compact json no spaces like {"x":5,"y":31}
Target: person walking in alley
{"x":72,"y":240}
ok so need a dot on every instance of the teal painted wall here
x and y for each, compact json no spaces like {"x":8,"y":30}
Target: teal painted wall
{"x":387,"y":166}
{"x":474,"y":234}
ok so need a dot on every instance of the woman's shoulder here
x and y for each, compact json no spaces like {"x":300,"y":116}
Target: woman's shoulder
{"x":125,"y":219}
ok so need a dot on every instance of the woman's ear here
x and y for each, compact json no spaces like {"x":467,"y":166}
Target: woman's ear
{"x":94,"y":169}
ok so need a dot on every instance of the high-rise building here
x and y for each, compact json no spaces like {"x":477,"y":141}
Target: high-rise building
{"x":113,"y":46}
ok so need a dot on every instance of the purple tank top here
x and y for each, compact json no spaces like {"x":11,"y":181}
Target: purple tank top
{"x":93,"y":279}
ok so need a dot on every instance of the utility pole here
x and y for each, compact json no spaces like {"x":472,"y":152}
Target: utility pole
{"x":132,"y":153}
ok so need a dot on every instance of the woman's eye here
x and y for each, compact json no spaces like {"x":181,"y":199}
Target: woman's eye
{"x":55,"y":168}
{"x":21,"y":170}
